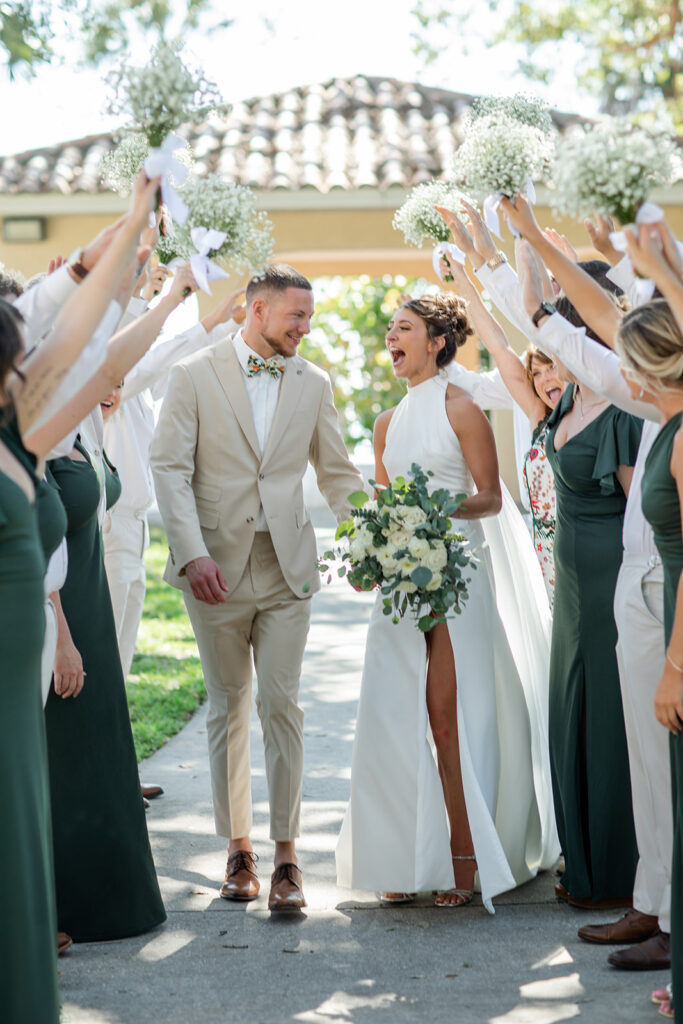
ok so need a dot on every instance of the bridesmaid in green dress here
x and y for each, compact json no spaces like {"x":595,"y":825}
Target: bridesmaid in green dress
{"x":590,"y":446}
{"x":650,"y":344}
{"x":28,"y":960}
{"x":106,"y":882}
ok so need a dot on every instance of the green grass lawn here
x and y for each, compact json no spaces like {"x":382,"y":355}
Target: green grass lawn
{"x":165,"y":686}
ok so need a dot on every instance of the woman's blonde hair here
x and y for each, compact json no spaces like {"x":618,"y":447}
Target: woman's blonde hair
{"x":650,"y":346}
{"x":535,"y":353}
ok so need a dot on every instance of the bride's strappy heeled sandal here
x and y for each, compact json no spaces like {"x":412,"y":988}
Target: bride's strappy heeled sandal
{"x":464,"y":895}
{"x":397,"y":897}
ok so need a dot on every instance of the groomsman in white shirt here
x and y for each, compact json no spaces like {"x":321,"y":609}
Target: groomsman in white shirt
{"x":129,"y":426}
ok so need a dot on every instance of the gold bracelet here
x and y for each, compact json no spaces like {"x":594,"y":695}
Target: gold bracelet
{"x":496,"y":260}
{"x":677,"y":667}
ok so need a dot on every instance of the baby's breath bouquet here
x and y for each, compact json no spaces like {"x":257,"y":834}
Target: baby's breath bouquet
{"x":164,"y":94}
{"x":611,"y":168}
{"x":417,"y":218}
{"x":231,"y":209}
{"x":525,"y":109}
{"x":403,"y":542}
{"x":501,"y":155}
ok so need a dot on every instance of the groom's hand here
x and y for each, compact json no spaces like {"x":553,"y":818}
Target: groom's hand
{"x":206,"y":579}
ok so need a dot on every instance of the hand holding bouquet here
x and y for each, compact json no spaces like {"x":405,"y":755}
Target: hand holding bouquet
{"x":404,"y":543}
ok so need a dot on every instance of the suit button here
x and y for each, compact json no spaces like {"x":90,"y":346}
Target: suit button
{"x":250,"y":519}
{"x":261,"y":476}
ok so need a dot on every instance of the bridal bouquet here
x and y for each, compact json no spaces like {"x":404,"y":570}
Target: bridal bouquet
{"x":225,"y":208}
{"x":121,"y":165}
{"x":611,"y":168}
{"x":404,"y":543}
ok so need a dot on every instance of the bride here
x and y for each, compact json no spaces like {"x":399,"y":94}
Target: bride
{"x":476,"y":686}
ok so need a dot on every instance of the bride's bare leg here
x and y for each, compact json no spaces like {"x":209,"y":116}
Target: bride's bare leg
{"x":443,"y":719}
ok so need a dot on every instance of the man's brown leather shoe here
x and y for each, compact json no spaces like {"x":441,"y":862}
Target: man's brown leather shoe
{"x":64,"y":942}
{"x":241,"y":881}
{"x":632,"y":927}
{"x":285,"y":889}
{"x":652,"y":955}
{"x":150,"y":792}
{"x":586,"y":904}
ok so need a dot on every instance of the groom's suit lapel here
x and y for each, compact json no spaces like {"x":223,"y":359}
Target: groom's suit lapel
{"x":231,"y":378}
{"x":291,"y":386}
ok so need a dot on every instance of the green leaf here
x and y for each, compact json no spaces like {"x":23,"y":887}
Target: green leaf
{"x":341,"y":571}
{"x":358,"y":499}
{"x":421,"y":576}
{"x":345,"y":529}
{"x":306,"y":587}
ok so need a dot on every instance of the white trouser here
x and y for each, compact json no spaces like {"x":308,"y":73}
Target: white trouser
{"x":639,"y":614}
{"x":47,"y":663}
{"x":126,"y":538}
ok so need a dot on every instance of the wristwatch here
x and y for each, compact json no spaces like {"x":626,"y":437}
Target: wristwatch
{"x":545,"y":309}
{"x":75,"y":263}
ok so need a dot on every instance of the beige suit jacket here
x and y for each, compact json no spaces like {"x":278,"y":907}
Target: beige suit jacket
{"x":210,"y":476}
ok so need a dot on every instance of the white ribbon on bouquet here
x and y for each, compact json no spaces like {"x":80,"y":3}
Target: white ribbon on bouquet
{"x":203,"y":269}
{"x":161,"y":163}
{"x":648,"y":213}
{"x":448,"y":250}
{"x":491,"y":204}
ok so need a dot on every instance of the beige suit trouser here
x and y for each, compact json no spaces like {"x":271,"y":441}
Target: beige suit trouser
{"x":260,"y":615}
{"x":126,"y":538}
{"x":639,"y":615}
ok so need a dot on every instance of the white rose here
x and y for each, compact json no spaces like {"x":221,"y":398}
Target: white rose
{"x":365,"y":536}
{"x":399,"y":537}
{"x":435,"y":582}
{"x":407,"y":586}
{"x":437,"y":557}
{"x":419,"y":547}
{"x":371,"y":506}
{"x":357,"y":550}
{"x":406,"y":565}
{"x":411,"y":515}
{"x":386,"y":560}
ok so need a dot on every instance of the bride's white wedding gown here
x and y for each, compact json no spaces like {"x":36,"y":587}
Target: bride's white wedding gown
{"x":395,"y":834}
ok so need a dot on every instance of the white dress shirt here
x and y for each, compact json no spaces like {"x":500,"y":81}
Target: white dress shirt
{"x":263,"y":391}
{"x":128,"y":432}
{"x":40,"y":304}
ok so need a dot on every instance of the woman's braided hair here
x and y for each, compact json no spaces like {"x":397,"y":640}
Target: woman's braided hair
{"x":444,"y":315}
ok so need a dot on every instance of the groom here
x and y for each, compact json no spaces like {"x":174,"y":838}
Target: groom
{"x":238,"y":426}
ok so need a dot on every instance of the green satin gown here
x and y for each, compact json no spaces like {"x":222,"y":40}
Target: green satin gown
{"x":662,"y":510}
{"x":28,"y":960}
{"x":588,"y":753}
{"x":106,"y":882}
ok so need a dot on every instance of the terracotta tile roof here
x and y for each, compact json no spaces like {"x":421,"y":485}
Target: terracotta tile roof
{"x":343,"y":134}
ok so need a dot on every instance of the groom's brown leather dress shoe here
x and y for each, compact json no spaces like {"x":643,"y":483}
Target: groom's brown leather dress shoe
{"x":652,"y":955}
{"x":285,"y":889}
{"x":151,"y":791}
{"x":64,"y":942}
{"x":241,"y":881}
{"x":632,"y":927}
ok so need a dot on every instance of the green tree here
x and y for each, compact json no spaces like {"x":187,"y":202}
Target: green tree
{"x":347,"y":340}
{"x":32,"y":32}
{"x":630,"y":53}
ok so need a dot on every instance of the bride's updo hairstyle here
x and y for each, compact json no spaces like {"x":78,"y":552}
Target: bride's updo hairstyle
{"x":650,"y":345}
{"x":444,"y":315}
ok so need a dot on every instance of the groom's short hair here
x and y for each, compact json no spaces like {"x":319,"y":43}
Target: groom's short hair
{"x":276,"y":277}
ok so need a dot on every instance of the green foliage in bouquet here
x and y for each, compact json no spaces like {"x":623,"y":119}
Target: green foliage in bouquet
{"x":403,"y":542}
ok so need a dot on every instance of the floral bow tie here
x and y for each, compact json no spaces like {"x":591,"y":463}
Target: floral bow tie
{"x":275,"y":366}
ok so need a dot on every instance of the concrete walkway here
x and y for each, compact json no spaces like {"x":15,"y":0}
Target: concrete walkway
{"x":346,"y":959}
